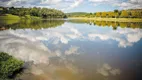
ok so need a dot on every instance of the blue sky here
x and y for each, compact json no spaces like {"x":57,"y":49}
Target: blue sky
{"x":76,"y":5}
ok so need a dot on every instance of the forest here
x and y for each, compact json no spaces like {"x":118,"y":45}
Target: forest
{"x":35,"y":11}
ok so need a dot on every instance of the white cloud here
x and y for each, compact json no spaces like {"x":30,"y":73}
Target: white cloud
{"x":58,"y":53}
{"x":72,"y":36}
{"x":130,"y":4}
{"x":115,"y":72}
{"x":130,"y":36}
{"x":101,"y":36}
{"x":57,"y":4}
{"x":67,"y":5}
{"x":134,"y":37}
{"x":76,"y":3}
{"x":72,"y":50}
{"x":106,"y":70}
{"x":98,"y":2}
{"x":50,"y":1}
{"x":75,"y":31}
{"x":42,"y":71}
{"x":27,"y":45}
{"x":103,"y":72}
{"x":24,"y":49}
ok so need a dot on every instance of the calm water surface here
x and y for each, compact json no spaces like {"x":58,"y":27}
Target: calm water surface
{"x":75,"y":50}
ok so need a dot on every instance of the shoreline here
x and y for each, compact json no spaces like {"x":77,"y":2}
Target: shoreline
{"x":109,"y":19}
{"x":14,"y":17}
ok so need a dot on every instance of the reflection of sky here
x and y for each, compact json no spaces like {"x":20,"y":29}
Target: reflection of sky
{"x":124,"y":36}
{"x":23,"y":48}
{"x":35,"y":46}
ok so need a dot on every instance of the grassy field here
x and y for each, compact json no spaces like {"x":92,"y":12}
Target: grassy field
{"x":9,"y":16}
{"x":1,"y":8}
{"x":110,"y":19}
{"x":11,"y":19}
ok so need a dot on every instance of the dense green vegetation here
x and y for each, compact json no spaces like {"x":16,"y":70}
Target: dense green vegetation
{"x":8,"y":65}
{"x":132,"y":13}
{"x":38,"y":12}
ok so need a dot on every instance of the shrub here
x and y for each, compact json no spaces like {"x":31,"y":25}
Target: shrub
{"x":8,"y":65}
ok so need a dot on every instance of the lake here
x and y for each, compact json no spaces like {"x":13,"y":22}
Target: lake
{"x":74,"y":49}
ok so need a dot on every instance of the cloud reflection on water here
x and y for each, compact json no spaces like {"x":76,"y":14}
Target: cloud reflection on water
{"x":125,"y":37}
{"x":29,"y":42}
{"x":23,"y":48}
{"x":107,"y":70}
{"x":28,"y":45}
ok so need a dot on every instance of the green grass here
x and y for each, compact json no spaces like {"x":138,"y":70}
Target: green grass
{"x":9,"y":16}
{"x":11,"y":19}
{"x":1,"y":8}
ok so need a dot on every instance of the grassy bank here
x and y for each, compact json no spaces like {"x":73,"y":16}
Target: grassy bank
{"x":11,"y":19}
{"x":9,"y":16}
{"x":14,"y":17}
{"x":110,"y":19}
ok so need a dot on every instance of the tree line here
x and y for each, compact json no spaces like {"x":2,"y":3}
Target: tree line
{"x":131,"y":13}
{"x":35,"y":11}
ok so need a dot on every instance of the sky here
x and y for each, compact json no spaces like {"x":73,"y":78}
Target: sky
{"x":76,"y":5}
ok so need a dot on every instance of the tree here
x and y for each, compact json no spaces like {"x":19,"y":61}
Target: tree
{"x":130,"y":14}
{"x":103,"y":14}
{"x":124,"y":14}
{"x":116,"y":13}
{"x":98,"y":14}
